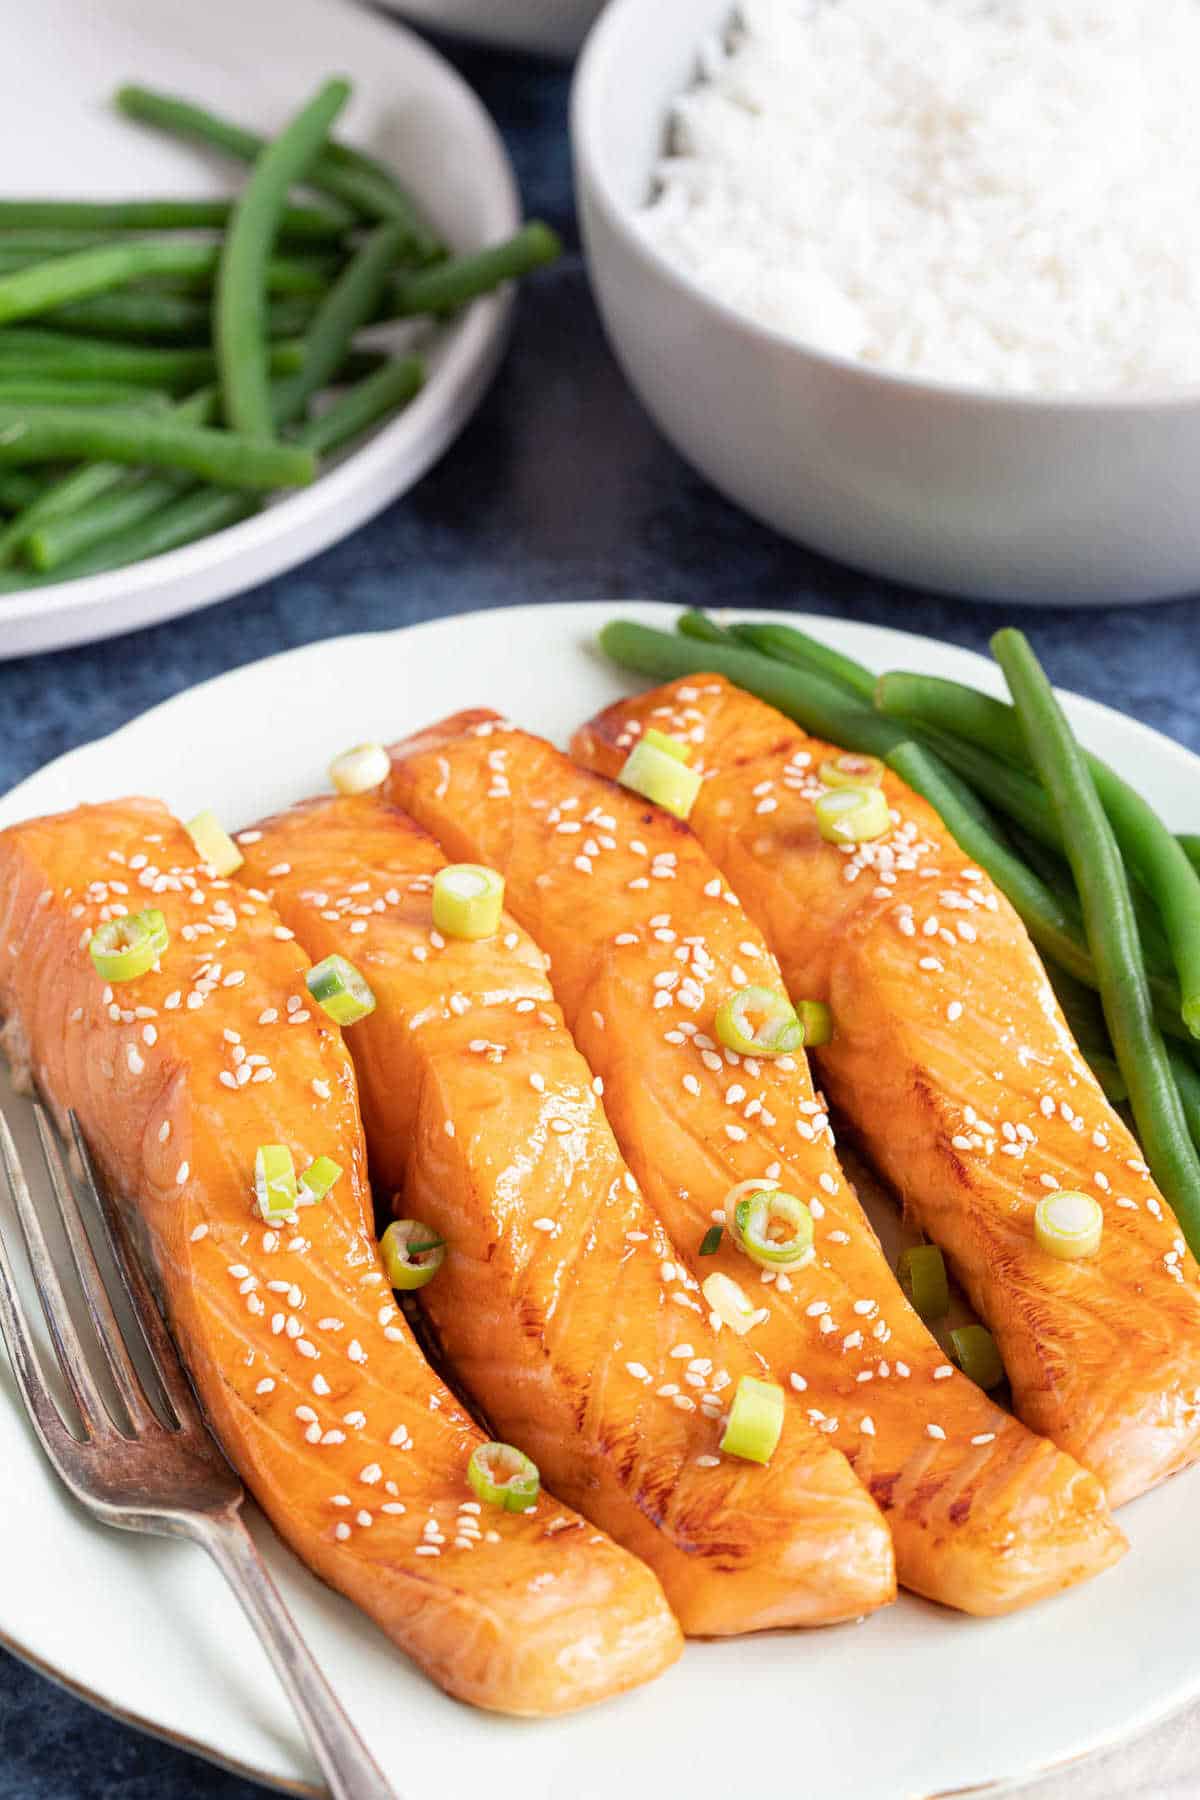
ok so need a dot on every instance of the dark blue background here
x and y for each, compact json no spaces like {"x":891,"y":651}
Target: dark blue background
{"x":559,"y":489}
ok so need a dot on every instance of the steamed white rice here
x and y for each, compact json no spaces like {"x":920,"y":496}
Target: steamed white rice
{"x":996,"y":193}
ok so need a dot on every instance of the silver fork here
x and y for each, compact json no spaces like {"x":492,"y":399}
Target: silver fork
{"x":166,"y":1478}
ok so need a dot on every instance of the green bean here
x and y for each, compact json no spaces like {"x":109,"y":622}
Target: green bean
{"x":45,"y":353}
{"x":349,"y":176}
{"x":1111,"y":929}
{"x":154,"y":260}
{"x":817,"y":705}
{"x":788,"y":645}
{"x":231,"y":459}
{"x":1143,"y":839}
{"x":364,"y":405}
{"x":142,"y":315}
{"x":124,"y":504}
{"x":39,"y":390}
{"x":41,"y":286}
{"x":1191,"y":848}
{"x":349,"y":305}
{"x":322,"y":223}
{"x":206,"y":509}
{"x":451,"y":284}
{"x":240,"y":299}
{"x":696,"y":624}
{"x":75,"y":491}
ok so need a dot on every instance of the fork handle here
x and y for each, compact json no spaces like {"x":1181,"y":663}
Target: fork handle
{"x":347,"y":1764}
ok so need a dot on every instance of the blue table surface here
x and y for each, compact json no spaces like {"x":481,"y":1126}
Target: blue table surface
{"x":559,"y":489}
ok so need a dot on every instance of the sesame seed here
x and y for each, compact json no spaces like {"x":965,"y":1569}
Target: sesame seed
{"x":934,"y":1431}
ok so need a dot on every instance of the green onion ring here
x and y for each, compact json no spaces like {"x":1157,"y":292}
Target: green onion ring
{"x":755,"y":1421}
{"x":922,"y":1272}
{"x":977,"y":1355}
{"x":468,"y":901}
{"x":125,"y":948}
{"x":339,"y":990}
{"x":317,"y":1180}
{"x":660,"y":776}
{"x":274,"y":1181}
{"x":759,"y":1021}
{"x":751,"y":1219}
{"x":504,"y":1477}
{"x":851,"y":770}
{"x":412,"y":1254}
{"x":1068,"y":1225}
{"x":816,"y":1022}
{"x":852,"y":815}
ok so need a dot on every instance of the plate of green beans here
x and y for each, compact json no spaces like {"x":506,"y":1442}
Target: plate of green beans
{"x":262,"y":281}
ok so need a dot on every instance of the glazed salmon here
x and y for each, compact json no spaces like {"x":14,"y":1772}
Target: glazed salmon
{"x":561,"y":1305}
{"x":953,"y":1061}
{"x":644,"y":940}
{"x":309,"y":1374}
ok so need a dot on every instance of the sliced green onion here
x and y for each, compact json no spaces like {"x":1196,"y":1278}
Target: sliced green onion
{"x":412,"y":1254}
{"x":659,"y":775}
{"x":816,"y":1022}
{"x":729,"y":1303}
{"x":710,"y":1243}
{"x":851,"y":770}
{"x":123,"y":949}
{"x":503,"y":1477}
{"x":770,"y":1227}
{"x":976,"y":1354}
{"x":755,"y":1420}
{"x":275,"y":1181}
{"x":468,"y":900}
{"x":759,"y":1021}
{"x":922,"y":1271}
{"x":852,"y":815}
{"x":359,"y":770}
{"x":1068,"y":1225}
{"x":317,"y":1180}
{"x":214,"y":844}
{"x":339,"y":990}
{"x":670,"y":746}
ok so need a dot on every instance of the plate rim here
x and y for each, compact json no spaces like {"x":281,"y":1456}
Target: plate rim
{"x":357,"y":487}
{"x":566,"y":618}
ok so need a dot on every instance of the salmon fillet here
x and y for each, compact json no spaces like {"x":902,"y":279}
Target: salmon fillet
{"x":308,"y":1372}
{"x":644,"y":940}
{"x":561,"y":1304}
{"x":953,"y":1061}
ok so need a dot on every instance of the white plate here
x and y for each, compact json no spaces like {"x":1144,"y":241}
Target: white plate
{"x":553,"y":27}
{"x":256,"y":61}
{"x":914,"y":1702}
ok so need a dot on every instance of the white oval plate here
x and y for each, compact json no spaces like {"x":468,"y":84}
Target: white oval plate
{"x":912,"y":1703}
{"x":256,"y":61}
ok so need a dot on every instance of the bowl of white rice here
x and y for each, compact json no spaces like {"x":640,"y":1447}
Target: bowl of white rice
{"x":915,"y":281}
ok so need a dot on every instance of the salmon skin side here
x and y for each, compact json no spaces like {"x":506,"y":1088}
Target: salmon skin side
{"x":645,"y":938}
{"x":561,"y":1304}
{"x":954,"y":1062}
{"x":306,"y":1369}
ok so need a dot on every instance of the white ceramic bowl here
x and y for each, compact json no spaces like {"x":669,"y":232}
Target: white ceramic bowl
{"x":553,"y":27}
{"x":995,"y":496}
